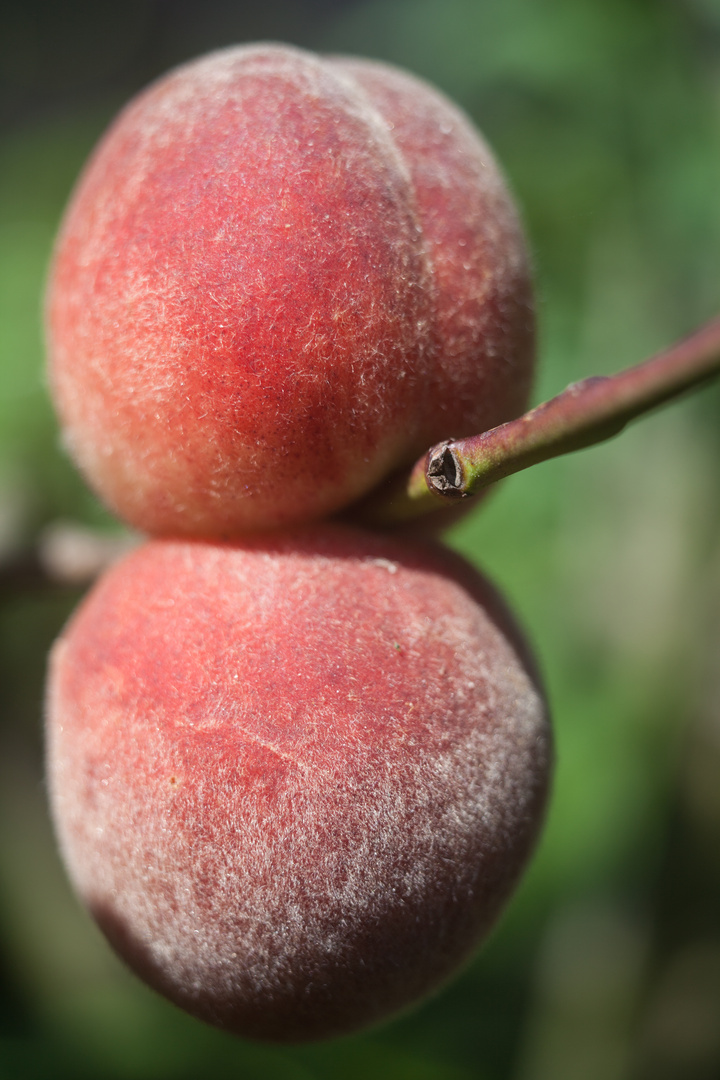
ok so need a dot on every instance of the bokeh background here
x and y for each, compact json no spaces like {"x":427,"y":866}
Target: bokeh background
{"x":606,"y":115}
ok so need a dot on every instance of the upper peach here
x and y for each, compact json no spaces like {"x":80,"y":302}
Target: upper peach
{"x":280,"y":277}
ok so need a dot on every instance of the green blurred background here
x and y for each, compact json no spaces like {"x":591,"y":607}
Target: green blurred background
{"x":606,"y":116}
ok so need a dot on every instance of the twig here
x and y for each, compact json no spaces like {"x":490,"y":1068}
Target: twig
{"x":584,"y":414}
{"x":64,"y":556}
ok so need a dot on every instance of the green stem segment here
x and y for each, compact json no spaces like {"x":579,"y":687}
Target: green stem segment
{"x":586,"y":413}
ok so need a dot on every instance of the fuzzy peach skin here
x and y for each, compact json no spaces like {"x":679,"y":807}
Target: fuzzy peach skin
{"x":279,"y":278}
{"x":295,"y":779}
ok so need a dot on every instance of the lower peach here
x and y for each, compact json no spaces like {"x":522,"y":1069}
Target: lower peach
{"x":295,"y":778}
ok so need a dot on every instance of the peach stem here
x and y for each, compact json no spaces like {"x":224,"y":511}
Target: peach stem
{"x":585,"y":413}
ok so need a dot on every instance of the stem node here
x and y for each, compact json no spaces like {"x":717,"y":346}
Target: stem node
{"x":444,"y":473}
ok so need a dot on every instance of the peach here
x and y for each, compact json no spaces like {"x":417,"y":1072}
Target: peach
{"x":295,"y":778}
{"x":280,"y":278}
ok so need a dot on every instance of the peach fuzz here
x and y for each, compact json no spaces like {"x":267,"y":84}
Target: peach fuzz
{"x":295,"y":778}
{"x":280,"y":278}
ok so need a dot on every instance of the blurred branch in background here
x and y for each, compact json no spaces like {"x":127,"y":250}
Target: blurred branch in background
{"x":65,"y":555}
